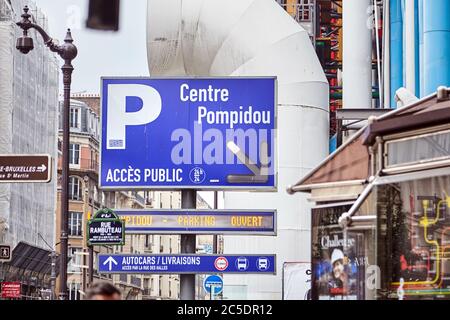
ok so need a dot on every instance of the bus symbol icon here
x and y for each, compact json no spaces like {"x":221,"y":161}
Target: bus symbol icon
{"x":262,"y":264}
{"x":242,"y":263}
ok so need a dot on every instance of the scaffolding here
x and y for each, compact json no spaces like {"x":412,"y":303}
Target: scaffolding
{"x":28,"y":125}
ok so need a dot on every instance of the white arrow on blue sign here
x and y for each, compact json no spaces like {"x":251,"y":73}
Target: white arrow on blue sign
{"x":110,"y":261}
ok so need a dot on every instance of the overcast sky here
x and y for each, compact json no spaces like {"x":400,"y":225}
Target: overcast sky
{"x":103,"y":53}
{"x":100,"y":53}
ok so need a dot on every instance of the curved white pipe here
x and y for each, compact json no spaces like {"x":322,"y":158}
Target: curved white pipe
{"x":253,"y":38}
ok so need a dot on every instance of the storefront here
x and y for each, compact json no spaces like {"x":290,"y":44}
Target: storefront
{"x":382,"y":230}
{"x":29,"y":273}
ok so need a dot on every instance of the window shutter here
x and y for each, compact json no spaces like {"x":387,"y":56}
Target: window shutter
{"x":84,"y":120}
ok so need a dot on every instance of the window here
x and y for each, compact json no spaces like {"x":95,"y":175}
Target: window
{"x":76,"y":260}
{"x":333,"y":252}
{"x":74,"y":291}
{"x":93,"y":164}
{"x":75,"y":223}
{"x":74,"y":153}
{"x":74,"y":118}
{"x":96,"y":194}
{"x":414,"y":245}
{"x":74,"y":188}
{"x":418,"y":149}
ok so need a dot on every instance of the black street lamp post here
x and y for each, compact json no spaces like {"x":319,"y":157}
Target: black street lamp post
{"x":67,"y":51}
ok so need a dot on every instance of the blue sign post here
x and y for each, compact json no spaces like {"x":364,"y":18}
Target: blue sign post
{"x":213,"y":283}
{"x":187,"y":264}
{"x":188,"y":133}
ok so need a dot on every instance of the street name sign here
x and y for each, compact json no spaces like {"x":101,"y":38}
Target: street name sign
{"x":106,"y":228}
{"x":187,"y":264}
{"x":25,"y":168}
{"x":188,"y":133}
{"x":5,"y":252}
{"x":182,"y":221}
{"x":215,"y":282}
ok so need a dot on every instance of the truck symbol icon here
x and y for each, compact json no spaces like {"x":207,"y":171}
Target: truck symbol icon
{"x":263,"y":264}
{"x":242,"y":264}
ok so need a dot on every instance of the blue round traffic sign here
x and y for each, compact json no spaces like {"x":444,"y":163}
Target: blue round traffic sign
{"x":215,"y":282}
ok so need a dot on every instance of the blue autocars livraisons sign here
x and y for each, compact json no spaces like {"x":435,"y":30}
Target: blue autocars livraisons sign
{"x":186,"y":263}
{"x":196,"y":133}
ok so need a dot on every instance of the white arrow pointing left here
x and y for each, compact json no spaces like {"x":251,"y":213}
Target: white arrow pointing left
{"x":110,"y":260}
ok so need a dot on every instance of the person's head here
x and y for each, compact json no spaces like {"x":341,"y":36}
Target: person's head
{"x":103,"y":291}
{"x":337,"y":262}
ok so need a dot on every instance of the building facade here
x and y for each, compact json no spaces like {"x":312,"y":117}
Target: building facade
{"x":85,"y":199}
{"x":28,"y":113}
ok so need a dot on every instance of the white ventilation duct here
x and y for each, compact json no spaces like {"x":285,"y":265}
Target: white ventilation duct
{"x":357,"y":54}
{"x":253,"y":38}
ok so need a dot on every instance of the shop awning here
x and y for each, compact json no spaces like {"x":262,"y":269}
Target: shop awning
{"x":427,"y":112}
{"x":32,"y":258}
{"x":349,"y":165}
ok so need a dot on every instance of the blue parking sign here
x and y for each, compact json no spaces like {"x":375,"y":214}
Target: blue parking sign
{"x":196,"y":133}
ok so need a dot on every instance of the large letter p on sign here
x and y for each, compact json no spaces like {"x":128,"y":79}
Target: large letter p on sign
{"x":118,"y":118}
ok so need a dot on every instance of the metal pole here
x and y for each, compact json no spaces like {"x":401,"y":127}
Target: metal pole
{"x":90,"y":248}
{"x":215,"y":244}
{"x":91,"y":265}
{"x":67,"y":69}
{"x":84,"y":272}
{"x":187,"y":281}
{"x":211,"y":296}
{"x":67,"y":51}
{"x":53,"y":275}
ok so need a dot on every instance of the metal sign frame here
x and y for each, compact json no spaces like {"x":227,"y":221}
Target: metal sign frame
{"x":273,"y":188}
{"x":193,"y":230}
